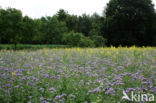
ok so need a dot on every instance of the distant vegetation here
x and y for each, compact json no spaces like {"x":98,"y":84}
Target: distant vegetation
{"x":31,"y":46}
{"x":124,"y":22}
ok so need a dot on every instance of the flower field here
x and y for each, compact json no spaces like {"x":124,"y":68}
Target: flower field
{"x":75,"y":75}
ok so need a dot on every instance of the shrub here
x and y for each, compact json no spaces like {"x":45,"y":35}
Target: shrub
{"x":86,"y":42}
{"x":77,"y":39}
{"x":99,"y":41}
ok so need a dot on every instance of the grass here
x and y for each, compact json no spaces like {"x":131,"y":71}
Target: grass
{"x":30,"y":46}
{"x":75,"y":75}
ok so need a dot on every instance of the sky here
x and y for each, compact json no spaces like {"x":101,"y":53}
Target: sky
{"x":39,"y":8}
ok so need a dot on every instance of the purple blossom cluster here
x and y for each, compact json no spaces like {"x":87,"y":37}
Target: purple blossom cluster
{"x":75,"y":76}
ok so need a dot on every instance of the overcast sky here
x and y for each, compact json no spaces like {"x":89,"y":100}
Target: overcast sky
{"x":38,"y":8}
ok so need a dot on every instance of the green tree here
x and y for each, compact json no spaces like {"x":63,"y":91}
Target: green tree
{"x":30,"y":29}
{"x":95,"y":29}
{"x":96,"y":25}
{"x":54,"y":30}
{"x":72,"y":23}
{"x":70,"y":20}
{"x":129,"y":22}
{"x":40,"y":26}
{"x":84,"y":24}
{"x":62,"y":15}
{"x":11,"y":25}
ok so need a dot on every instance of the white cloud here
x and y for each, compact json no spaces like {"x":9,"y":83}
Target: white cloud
{"x":38,"y":8}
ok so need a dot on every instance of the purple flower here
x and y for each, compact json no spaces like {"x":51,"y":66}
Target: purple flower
{"x":30,"y":97}
{"x":94,"y":90}
{"x":72,"y":96}
{"x":8,"y":85}
{"x":110,"y":91}
{"x":42,"y":89}
{"x":58,"y":97}
{"x":52,"y":90}
{"x":145,"y":83}
{"x":64,"y":94}
{"x":5,"y":69}
{"x":129,"y":90}
{"x":104,"y":89}
{"x":60,"y":71}
{"x":45,"y":75}
{"x":80,"y":82}
{"x":41,"y":98}
{"x":138,"y":89}
{"x":18,"y":70}
{"x":31,"y":84}
{"x":18,"y":74}
{"x":23,"y":78}
{"x":153,"y":89}
{"x":16,"y":86}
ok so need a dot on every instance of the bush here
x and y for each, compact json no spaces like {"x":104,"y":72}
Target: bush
{"x":99,"y":41}
{"x":86,"y":42}
{"x":77,"y":40}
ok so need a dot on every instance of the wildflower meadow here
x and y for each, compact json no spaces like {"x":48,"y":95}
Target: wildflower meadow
{"x":76,"y":75}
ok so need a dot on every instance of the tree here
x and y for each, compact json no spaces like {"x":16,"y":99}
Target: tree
{"x":99,"y":41}
{"x":54,"y":30}
{"x":11,"y":25}
{"x":129,"y":22}
{"x":84,"y":24}
{"x":96,"y":25}
{"x":62,"y":15}
{"x":72,"y":23}
{"x":40,"y":26}
{"x":30,"y":29}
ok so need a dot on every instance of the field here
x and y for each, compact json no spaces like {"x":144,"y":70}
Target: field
{"x":75,"y":75}
{"x":30,"y":46}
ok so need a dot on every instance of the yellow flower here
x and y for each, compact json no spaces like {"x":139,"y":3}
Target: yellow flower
{"x":13,"y":73}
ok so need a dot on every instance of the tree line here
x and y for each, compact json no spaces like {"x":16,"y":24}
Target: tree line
{"x":124,"y":22}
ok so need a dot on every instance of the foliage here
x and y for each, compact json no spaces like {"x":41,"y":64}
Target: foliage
{"x":62,"y":15}
{"x":30,"y":29}
{"x":84,"y":24}
{"x":77,"y":39}
{"x":11,"y":25}
{"x":72,"y":23}
{"x":129,"y":22}
{"x":99,"y":41}
{"x":125,"y":22}
{"x":54,"y":30}
{"x":86,"y":42}
{"x":96,"y":25}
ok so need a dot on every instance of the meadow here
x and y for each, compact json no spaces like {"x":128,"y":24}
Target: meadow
{"x":76,"y":75}
{"x":31,"y":46}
